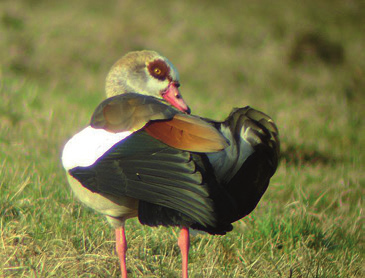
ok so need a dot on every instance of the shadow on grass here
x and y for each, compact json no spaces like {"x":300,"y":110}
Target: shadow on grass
{"x":314,"y":46}
{"x":304,"y":155}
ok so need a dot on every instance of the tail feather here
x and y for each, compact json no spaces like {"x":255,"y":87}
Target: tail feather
{"x":257,"y":128}
{"x":246,"y":166}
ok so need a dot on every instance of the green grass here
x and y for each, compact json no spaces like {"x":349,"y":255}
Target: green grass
{"x":54,"y":57}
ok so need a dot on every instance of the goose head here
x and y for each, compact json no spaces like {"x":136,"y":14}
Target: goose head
{"x":148,"y":73}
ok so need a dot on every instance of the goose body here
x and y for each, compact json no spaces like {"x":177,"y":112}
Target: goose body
{"x":143,"y":155}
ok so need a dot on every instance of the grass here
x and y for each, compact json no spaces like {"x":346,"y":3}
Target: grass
{"x":53,"y":60}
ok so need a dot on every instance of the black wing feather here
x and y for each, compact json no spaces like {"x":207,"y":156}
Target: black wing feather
{"x":144,"y":168}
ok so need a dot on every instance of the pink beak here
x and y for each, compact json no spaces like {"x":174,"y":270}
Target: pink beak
{"x":173,"y":96}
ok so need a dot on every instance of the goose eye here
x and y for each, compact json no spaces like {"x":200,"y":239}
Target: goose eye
{"x":158,"y":69}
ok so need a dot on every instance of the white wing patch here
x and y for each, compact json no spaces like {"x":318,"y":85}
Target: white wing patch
{"x":85,"y":147}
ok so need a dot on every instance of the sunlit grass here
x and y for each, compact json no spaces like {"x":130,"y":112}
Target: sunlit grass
{"x":53,"y":62}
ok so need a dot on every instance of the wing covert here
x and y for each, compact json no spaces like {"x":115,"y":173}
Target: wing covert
{"x":129,"y":112}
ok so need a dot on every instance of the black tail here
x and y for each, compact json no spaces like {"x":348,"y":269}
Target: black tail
{"x":254,"y":156}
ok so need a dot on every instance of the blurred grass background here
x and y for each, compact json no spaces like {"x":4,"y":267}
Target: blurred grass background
{"x":303,"y":63}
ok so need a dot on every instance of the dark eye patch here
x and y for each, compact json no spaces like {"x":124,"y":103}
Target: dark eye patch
{"x":158,"y":69}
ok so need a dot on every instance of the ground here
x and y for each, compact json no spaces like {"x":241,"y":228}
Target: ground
{"x":303,"y":63}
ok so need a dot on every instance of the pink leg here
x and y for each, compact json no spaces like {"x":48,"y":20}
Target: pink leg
{"x":184,"y":244}
{"x":121,"y":246}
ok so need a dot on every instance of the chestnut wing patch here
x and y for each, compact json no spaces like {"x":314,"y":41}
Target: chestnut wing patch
{"x":188,"y":133}
{"x":132,"y":112}
{"x":129,"y":112}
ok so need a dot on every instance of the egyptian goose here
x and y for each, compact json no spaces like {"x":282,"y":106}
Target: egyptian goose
{"x":144,"y":156}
